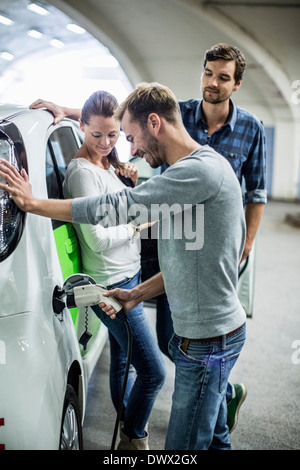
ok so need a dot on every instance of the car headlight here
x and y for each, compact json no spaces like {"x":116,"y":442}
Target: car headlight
{"x":12,"y":219}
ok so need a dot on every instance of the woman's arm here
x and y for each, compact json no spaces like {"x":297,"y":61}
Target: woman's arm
{"x":59,"y":112}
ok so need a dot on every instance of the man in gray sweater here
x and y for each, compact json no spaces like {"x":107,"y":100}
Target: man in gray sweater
{"x":198,"y":198}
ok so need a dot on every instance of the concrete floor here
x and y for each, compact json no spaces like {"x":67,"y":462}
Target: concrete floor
{"x":269,"y":364}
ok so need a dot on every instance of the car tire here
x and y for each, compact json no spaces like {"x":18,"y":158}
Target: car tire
{"x":71,"y":429}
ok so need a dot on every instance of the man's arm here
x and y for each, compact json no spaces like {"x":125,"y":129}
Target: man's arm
{"x":59,"y":112}
{"x":254,"y":173}
{"x":253,"y":216}
{"x":129,"y":298}
{"x":20,"y":189}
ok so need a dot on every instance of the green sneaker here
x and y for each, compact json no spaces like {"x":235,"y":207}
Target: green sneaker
{"x":233,"y":407}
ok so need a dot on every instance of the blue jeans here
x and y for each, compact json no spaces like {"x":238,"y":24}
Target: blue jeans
{"x":199,"y":408}
{"x":165,"y":331}
{"x":147,"y":372}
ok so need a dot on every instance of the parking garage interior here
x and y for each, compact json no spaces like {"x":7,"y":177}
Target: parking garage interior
{"x":76,"y":47}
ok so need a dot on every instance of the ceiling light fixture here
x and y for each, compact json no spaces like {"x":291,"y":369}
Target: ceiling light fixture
{"x":57,"y":43}
{"x":6,"y":56}
{"x":75,"y":28}
{"x":6,"y":21}
{"x":34,"y":33}
{"x":37,"y":9}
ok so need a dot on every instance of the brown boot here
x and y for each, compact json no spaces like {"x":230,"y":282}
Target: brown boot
{"x":132,"y":444}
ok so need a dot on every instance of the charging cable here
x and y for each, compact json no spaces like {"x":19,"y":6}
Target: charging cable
{"x":121,"y":315}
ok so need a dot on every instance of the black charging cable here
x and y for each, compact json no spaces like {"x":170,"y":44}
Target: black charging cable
{"x":122,"y":315}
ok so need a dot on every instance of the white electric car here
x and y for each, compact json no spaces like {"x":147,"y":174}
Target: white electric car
{"x":44,"y":370}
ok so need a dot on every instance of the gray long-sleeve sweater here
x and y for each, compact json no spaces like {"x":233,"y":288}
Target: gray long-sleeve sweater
{"x":198,"y":201}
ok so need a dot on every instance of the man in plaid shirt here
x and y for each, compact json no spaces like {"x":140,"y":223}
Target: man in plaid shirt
{"x":233,"y":132}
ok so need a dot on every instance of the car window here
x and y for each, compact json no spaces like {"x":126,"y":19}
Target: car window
{"x":61,"y":147}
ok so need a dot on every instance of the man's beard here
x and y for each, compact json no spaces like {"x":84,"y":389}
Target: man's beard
{"x":152,"y":145}
{"x":216,"y":98}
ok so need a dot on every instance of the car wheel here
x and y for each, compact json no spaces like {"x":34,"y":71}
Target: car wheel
{"x":71,"y":430}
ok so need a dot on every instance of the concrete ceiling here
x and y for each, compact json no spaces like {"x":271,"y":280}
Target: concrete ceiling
{"x":14,"y":38}
{"x":164,"y":40}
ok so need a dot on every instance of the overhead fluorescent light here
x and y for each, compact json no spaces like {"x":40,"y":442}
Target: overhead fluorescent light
{"x":56,"y":43}
{"x":6,"y":56}
{"x":37,"y":9}
{"x":6,"y":21}
{"x":33,"y":33}
{"x":75,"y":28}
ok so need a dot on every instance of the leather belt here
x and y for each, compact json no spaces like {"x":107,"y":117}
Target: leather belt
{"x":186,"y":341}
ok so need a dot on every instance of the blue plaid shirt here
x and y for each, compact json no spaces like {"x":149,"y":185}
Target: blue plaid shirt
{"x":241,"y":141}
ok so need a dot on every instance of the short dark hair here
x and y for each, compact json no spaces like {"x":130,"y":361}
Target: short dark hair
{"x":227,"y":52}
{"x":150,"y":98}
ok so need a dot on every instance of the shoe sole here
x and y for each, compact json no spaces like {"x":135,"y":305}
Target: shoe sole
{"x":238,"y":407}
